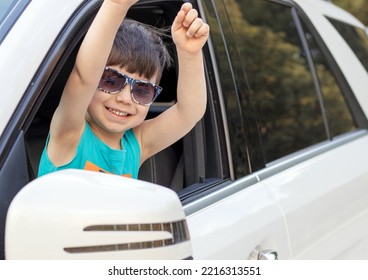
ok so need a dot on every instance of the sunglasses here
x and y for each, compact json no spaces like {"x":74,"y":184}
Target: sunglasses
{"x":142,"y":92}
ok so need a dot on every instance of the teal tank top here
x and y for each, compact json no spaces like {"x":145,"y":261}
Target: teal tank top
{"x":93,"y":154}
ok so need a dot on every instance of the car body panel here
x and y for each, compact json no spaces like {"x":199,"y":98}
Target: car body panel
{"x":325,"y":200}
{"x":31,"y":47}
{"x":239,"y":224}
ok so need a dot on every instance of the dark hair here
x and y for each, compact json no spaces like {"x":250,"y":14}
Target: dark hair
{"x":140,"y":49}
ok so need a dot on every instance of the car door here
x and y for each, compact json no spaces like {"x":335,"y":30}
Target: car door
{"x":311,"y":124}
{"x":229,"y":216}
{"x":293,"y":102}
{"x":241,"y":221}
{"x":322,"y":190}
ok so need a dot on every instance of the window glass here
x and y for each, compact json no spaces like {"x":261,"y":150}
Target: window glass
{"x":356,"y":38}
{"x":339,"y":117}
{"x":231,"y":84}
{"x":279,"y":81}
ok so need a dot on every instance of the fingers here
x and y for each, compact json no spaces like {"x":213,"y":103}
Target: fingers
{"x":188,"y":17}
{"x":186,"y":7}
{"x":197,"y":28}
{"x":180,"y":17}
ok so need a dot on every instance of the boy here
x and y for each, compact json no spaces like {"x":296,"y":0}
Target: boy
{"x":100,"y":121}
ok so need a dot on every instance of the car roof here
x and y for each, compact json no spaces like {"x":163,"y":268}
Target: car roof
{"x":328,"y":9}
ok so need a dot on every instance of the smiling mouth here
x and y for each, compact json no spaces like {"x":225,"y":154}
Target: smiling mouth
{"x":118,"y":113}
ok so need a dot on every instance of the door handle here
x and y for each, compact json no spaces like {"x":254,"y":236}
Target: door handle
{"x":267,"y":255}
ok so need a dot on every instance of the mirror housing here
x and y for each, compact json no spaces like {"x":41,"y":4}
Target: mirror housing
{"x":76,"y":214}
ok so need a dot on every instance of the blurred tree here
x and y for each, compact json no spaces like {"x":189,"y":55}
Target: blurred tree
{"x":358,"y":8}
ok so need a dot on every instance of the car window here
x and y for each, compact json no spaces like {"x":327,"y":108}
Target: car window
{"x":280,"y":83}
{"x":297,"y":103}
{"x":356,"y":38}
{"x":240,"y":122}
{"x":338,"y":113}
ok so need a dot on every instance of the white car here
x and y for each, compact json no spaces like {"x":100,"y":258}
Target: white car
{"x":277,"y":168}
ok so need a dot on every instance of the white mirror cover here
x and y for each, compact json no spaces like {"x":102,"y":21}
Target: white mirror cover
{"x":76,"y":214}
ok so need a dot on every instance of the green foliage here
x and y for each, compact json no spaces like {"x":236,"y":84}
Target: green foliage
{"x":358,"y":8}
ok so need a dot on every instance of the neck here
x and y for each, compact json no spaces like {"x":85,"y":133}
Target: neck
{"x":113,"y":140}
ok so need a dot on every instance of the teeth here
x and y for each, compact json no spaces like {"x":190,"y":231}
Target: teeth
{"x":119,"y":113}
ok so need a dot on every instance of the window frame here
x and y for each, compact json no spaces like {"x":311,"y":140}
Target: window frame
{"x":352,"y":103}
{"x":355,"y":109}
{"x":10,"y":18}
{"x":336,"y":23}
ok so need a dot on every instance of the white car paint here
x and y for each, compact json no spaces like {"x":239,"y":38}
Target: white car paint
{"x":320,"y":208}
{"x":225,"y":230}
{"x":58,"y":228}
{"x":31,"y":46}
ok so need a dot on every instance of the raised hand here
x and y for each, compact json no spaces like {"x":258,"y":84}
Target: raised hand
{"x":189,"y":32}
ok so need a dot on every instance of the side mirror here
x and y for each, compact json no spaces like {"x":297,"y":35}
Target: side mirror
{"x":75,"y":214}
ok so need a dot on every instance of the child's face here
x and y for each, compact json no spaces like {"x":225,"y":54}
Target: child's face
{"x":116,"y":113}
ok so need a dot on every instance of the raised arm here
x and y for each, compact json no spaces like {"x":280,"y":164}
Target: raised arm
{"x":189,"y":34}
{"x":69,"y":118}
